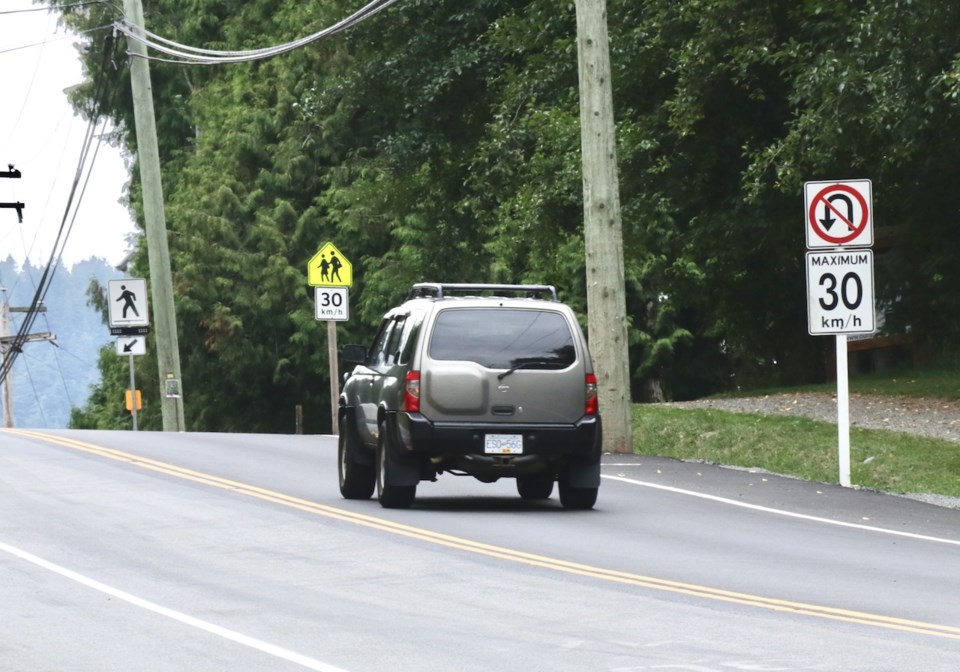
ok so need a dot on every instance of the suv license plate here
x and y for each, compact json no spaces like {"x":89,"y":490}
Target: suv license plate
{"x":503,"y":444}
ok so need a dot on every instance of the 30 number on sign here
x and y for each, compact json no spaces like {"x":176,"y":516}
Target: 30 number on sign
{"x":840,"y":292}
{"x":849,"y":280}
{"x":331,"y":299}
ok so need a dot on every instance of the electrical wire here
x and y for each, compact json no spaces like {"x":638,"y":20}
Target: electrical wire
{"x":26,"y":97}
{"x":186,"y":54}
{"x":55,"y":39}
{"x":63,"y":379}
{"x":36,"y":395}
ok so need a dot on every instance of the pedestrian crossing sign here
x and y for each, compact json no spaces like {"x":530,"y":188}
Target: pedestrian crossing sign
{"x":128,"y":302}
{"x":329,"y":268}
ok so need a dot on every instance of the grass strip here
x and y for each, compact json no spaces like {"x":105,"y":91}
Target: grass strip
{"x":879,"y":459}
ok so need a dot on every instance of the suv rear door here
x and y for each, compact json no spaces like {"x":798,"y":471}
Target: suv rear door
{"x":504,"y":363}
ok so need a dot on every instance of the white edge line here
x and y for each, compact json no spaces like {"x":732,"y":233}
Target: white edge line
{"x":780,"y":512}
{"x":233,"y":636}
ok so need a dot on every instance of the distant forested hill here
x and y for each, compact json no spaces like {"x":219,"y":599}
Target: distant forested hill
{"x":49,"y":380}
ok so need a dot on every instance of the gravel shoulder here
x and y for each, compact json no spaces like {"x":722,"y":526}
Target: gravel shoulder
{"x":933,"y":418}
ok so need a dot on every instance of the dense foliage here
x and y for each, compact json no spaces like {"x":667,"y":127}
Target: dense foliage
{"x":440,"y":141}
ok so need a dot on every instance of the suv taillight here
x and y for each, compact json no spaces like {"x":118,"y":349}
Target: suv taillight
{"x":411,"y":392}
{"x":593,"y":402}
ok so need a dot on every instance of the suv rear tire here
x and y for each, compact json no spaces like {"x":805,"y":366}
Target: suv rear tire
{"x":535,"y":486}
{"x":390,"y":496}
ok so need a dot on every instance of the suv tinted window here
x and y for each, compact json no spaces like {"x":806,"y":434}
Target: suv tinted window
{"x":411,"y":331}
{"x":378,"y":351}
{"x":500,"y":338}
{"x":393,"y":345}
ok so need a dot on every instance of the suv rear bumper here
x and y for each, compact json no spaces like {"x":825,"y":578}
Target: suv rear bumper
{"x":421,"y":436}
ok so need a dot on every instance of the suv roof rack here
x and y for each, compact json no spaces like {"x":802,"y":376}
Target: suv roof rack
{"x":439,"y":290}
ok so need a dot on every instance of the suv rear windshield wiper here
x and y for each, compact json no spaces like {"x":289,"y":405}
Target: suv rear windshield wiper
{"x":538,"y":363}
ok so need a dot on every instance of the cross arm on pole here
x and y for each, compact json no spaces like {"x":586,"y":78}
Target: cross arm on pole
{"x":44,"y":336}
{"x":17,"y":206}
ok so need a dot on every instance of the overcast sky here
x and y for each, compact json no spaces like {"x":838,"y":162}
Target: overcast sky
{"x":42,"y":138}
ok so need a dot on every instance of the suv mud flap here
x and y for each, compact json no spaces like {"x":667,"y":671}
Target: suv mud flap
{"x":401,"y":469}
{"x":401,"y":472}
{"x":347,"y":418}
{"x":583,"y":474}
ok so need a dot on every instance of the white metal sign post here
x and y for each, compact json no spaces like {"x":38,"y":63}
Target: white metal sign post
{"x":840,"y":301}
{"x":838,"y":220}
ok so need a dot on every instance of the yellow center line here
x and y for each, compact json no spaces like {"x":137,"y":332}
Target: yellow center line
{"x":512,"y":555}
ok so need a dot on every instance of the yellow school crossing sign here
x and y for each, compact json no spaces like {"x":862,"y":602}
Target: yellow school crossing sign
{"x":329,"y":268}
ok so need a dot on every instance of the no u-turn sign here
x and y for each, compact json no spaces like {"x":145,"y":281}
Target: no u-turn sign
{"x":838,"y":214}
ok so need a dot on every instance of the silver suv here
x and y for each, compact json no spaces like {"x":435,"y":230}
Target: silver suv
{"x":489,"y":381}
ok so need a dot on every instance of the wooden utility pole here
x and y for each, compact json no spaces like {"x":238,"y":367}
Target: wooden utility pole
{"x":161,"y":283}
{"x":602,"y":227}
{"x":6,"y":345}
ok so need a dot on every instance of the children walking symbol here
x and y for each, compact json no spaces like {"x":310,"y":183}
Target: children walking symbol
{"x":324,"y":269}
{"x":128,"y":298}
{"x":335,"y":265}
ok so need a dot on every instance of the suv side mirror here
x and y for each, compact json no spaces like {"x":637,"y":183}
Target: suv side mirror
{"x":353,"y":355}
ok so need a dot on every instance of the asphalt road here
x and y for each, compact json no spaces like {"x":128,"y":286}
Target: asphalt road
{"x":151,"y":551}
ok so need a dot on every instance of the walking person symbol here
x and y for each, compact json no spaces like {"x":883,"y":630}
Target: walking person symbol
{"x":335,"y":265}
{"x":129,"y":299}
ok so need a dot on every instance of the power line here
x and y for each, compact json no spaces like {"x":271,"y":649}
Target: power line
{"x":36,"y":395}
{"x":186,"y":54}
{"x":56,"y":39}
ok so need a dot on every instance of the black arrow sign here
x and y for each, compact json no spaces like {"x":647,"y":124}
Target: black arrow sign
{"x":129,"y":346}
{"x":827,"y":221}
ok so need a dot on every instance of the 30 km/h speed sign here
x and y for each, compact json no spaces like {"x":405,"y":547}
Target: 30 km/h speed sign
{"x":840,"y":292}
{"x":333,"y":304}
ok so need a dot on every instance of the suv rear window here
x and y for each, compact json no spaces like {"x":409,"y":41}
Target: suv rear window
{"x":499,"y":338}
